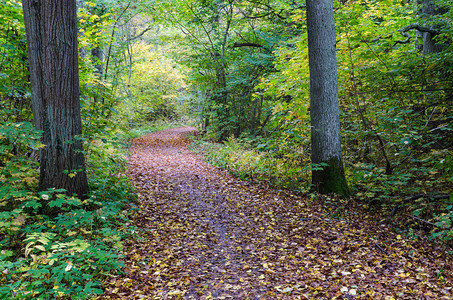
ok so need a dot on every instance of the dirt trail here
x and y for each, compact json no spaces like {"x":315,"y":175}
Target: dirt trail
{"x":204,"y":234}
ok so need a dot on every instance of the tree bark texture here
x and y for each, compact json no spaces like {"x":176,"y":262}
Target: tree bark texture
{"x":51,"y":29}
{"x":324,"y":108}
{"x":429,"y":10}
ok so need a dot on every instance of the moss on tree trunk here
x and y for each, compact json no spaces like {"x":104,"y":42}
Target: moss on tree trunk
{"x":331,"y":179}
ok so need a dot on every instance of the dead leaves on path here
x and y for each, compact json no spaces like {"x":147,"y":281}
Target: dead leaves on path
{"x":206,"y":235}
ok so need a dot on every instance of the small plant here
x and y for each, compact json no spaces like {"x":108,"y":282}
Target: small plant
{"x":64,"y":254}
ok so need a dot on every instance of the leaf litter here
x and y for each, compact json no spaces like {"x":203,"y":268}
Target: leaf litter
{"x":204,"y":234}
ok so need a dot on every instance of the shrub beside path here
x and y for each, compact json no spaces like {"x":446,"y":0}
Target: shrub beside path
{"x":203,"y":234}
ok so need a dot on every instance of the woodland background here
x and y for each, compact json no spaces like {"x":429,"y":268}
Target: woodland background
{"x":239,"y":71}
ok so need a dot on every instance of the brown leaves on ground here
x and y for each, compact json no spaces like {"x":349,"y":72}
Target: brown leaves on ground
{"x":207,"y":235}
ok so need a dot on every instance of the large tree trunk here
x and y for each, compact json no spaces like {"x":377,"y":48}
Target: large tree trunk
{"x":324,"y":110}
{"x":51,"y":29}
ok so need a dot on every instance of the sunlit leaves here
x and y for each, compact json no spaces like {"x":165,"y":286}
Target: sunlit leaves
{"x":155,"y":85}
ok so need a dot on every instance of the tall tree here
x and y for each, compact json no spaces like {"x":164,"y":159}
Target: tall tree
{"x":324,"y":110}
{"x":51,"y":30}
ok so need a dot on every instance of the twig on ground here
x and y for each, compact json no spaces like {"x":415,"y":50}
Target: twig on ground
{"x":415,"y":197}
{"x":421,"y":220}
{"x":382,"y":250}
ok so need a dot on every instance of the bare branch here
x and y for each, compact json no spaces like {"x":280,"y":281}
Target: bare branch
{"x":237,"y":45}
{"x":271,"y":11}
{"x":418,"y":27}
{"x":415,"y":197}
{"x":139,"y":35}
{"x":404,"y":32}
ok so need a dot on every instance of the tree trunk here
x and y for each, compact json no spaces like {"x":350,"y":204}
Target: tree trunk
{"x":324,"y":110}
{"x":51,"y":29}
{"x":98,"y":57}
{"x":221,"y":97}
{"x":429,"y":10}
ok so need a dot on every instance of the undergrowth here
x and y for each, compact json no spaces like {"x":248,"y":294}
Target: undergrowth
{"x":138,"y":131}
{"x":65,"y":256}
{"x":387,"y":197}
{"x":249,"y":163}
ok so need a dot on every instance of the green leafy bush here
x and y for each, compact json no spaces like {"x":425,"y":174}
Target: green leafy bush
{"x":246,"y":161}
{"x":68,"y":255}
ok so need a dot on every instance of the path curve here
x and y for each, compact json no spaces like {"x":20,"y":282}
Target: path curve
{"x":204,"y":234}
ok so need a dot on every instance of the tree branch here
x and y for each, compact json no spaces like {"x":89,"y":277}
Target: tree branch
{"x":271,"y":10}
{"x":421,"y":220}
{"x":415,"y":197}
{"x":404,"y":32}
{"x":139,"y":35}
{"x":237,"y":45}
{"x":419,"y":28}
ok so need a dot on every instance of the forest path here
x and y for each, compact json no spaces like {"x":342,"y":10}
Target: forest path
{"x":203,"y":234}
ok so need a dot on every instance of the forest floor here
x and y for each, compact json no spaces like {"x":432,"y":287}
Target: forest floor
{"x":203,"y":234}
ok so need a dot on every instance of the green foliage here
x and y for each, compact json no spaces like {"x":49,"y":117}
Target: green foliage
{"x":247,"y":160}
{"x":226,"y":55}
{"x":153,"y":127}
{"x":67,"y":255}
{"x":15,"y":105}
{"x":394,"y":100}
{"x":154,"y":86}
{"x":242,"y":69}
{"x":18,"y":173}
{"x":394,"y":108}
